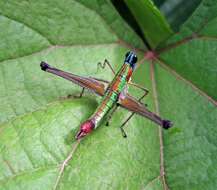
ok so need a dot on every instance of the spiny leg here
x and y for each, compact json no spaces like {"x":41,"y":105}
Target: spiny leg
{"x":131,"y":115}
{"x":106,"y":62}
{"x":111,"y":113}
{"x":124,"y":123}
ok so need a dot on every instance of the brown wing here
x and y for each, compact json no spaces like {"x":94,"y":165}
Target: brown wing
{"x":92,"y":84}
{"x":135,"y":106}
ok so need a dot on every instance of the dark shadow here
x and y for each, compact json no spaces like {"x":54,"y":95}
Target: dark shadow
{"x":70,"y":137}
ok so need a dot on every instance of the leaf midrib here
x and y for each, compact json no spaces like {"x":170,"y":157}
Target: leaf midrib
{"x":156,"y":105}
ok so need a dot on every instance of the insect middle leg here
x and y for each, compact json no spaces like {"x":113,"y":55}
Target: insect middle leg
{"x":139,"y":87}
{"x":131,"y":115}
{"x":81,"y":94}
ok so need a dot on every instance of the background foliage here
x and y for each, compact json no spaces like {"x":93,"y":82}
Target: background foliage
{"x":38,"y":120}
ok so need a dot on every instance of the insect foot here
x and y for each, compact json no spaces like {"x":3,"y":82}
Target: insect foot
{"x":44,"y":66}
{"x":167,"y":124}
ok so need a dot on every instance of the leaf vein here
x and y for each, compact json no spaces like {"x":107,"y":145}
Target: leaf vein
{"x":26,"y":25}
{"x":173,"y":72}
{"x":155,"y":97}
{"x":64,"y":164}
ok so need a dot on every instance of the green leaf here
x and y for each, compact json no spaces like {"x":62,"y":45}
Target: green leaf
{"x":192,"y":52}
{"x":38,"y":119}
{"x":153,"y":25}
{"x":178,"y":11}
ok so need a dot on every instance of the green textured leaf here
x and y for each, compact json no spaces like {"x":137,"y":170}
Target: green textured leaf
{"x":177,"y":11}
{"x":38,"y":119}
{"x":153,"y":25}
{"x":192,"y":52}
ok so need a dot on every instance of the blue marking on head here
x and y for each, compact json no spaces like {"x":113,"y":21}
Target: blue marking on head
{"x":131,"y":59}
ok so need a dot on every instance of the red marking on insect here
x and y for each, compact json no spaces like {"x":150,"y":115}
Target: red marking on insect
{"x":116,"y":84}
{"x":85,"y":128}
{"x":129,"y":74}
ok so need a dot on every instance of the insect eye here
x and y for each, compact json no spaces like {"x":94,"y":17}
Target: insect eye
{"x":134,"y":59}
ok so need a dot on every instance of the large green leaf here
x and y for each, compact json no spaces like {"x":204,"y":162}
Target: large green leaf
{"x":38,"y":120}
{"x":177,"y":11}
{"x":192,"y":52}
{"x":153,"y":25}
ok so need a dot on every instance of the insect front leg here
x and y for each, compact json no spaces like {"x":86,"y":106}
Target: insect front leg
{"x":103,"y":65}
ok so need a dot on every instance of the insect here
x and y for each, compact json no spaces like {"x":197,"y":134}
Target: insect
{"x":114,"y":94}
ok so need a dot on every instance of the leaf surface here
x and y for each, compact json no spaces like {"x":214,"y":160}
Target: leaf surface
{"x":153,"y":25}
{"x":192,"y":52}
{"x":39,"y":118}
{"x":177,"y":12}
